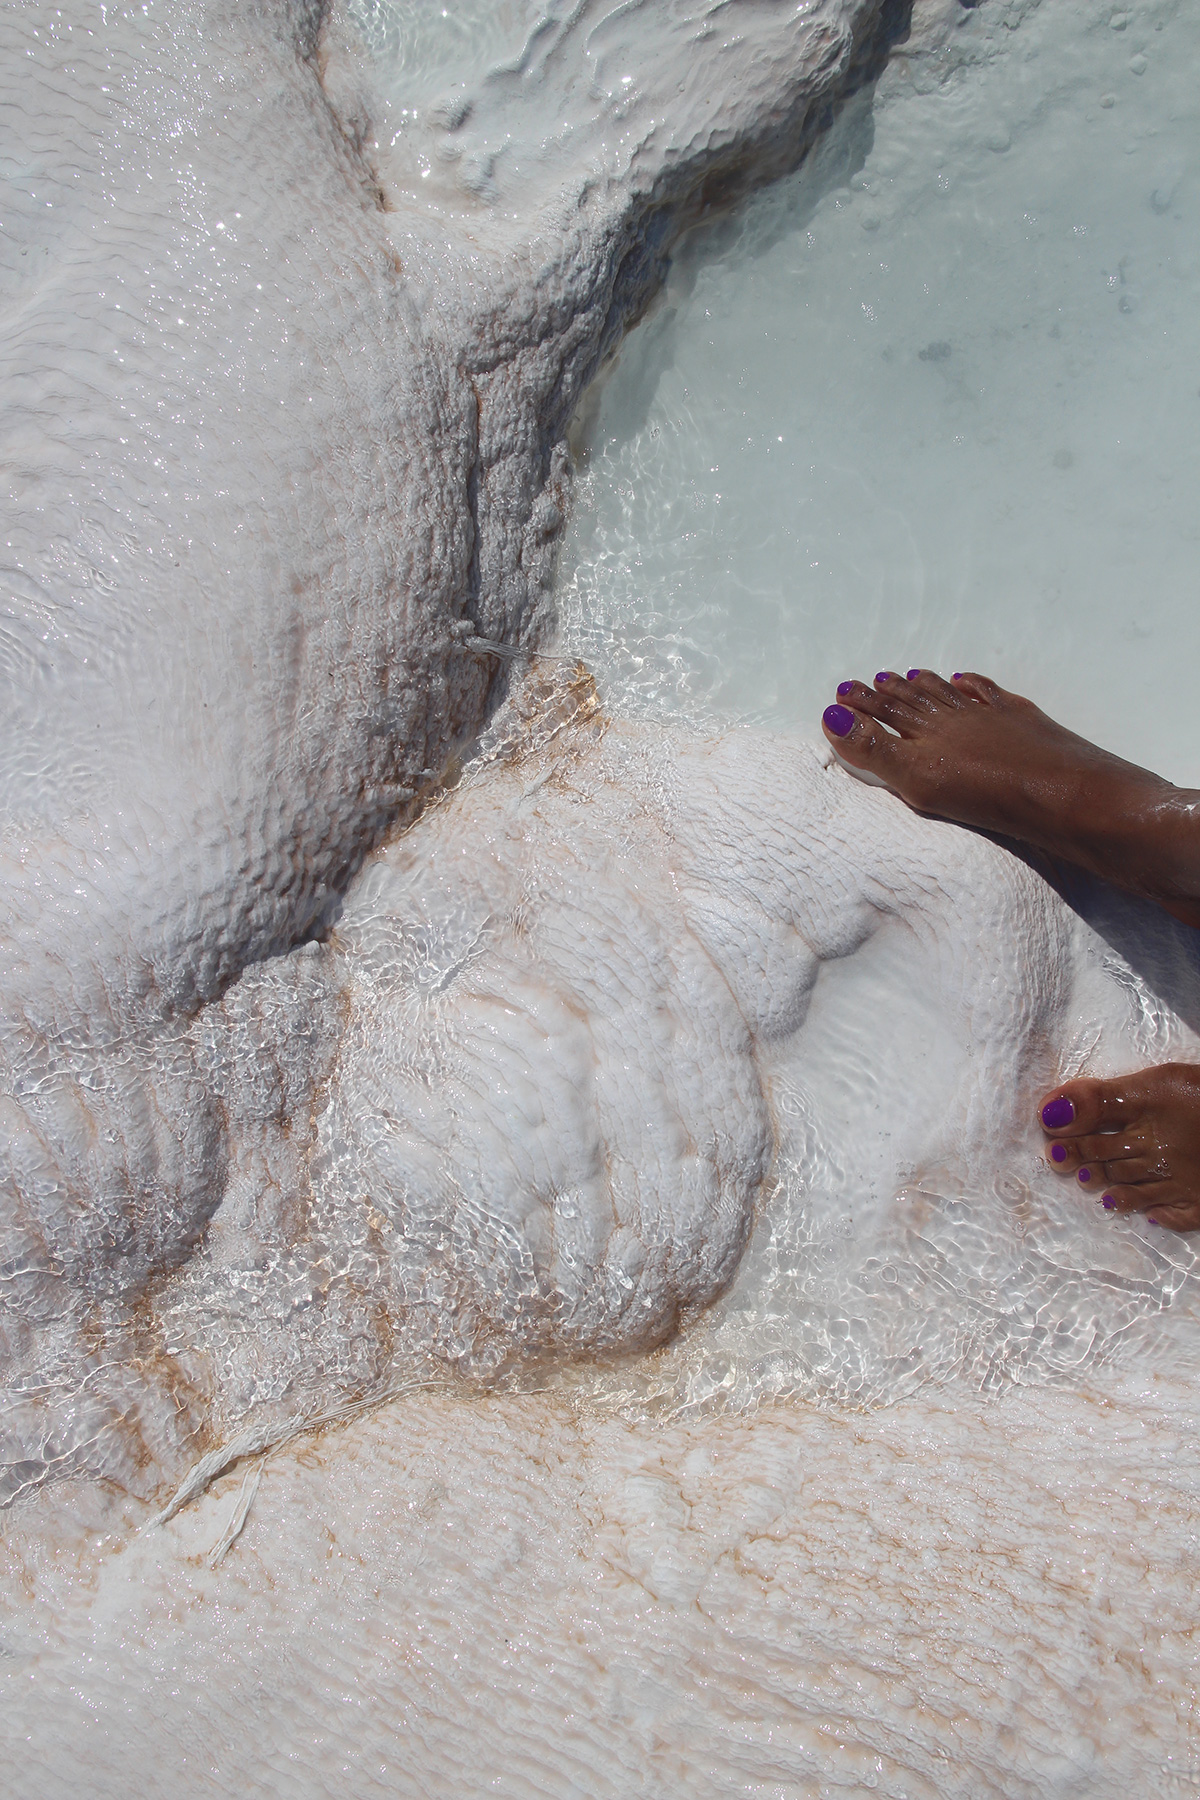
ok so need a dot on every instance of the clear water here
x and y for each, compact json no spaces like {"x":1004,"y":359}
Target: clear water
{"x":424,"y":49}
{"x":933,"y":400}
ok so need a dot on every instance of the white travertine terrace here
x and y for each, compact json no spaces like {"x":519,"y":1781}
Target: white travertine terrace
{"x":566,"y":1005}
{"x":379,"y":1014}
{"x":274,"y":452}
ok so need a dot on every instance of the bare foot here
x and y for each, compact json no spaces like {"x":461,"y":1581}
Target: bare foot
{"x":967,"y":750}
{"x":1134,"y":1142}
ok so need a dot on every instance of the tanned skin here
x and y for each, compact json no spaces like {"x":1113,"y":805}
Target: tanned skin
{"x":965,"y":749}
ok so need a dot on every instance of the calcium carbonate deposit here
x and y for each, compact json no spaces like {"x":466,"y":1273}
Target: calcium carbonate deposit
{"x":527,"y":1262}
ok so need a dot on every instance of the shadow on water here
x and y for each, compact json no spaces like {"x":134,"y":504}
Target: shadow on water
{"x":831,"y":164}
{"x":1164,"y":953}
{"x":844,"y":136}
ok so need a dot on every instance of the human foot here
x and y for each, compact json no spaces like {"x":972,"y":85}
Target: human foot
{"x":968,"y":750}
{"x":1134,"y":1142}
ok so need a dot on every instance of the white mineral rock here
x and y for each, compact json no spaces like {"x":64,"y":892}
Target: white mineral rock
{"x":380,"y":1014}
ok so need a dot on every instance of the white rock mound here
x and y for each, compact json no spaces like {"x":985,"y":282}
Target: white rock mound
{"x":561,"y":1021}
{"x":278,"y":436}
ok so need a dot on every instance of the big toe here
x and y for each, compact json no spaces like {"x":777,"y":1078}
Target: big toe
{"x":860,"y":741}
{"x":1084,"y":1105}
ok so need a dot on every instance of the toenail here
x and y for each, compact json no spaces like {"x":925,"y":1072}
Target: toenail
{"x":957,"y":677}
{"x":1084,"y":1175}
{"x":1109,"y":1203}
{"x":844,"y":688}
{"x":1057,"y":1113}
{"x":1151,"y":1220}
{"x":884,"y":675}
{"x":1059,"y":1152}
{"x":839,"y":720}
{"x":912,"y":674}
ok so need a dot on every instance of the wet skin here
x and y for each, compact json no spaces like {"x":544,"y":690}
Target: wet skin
{"x":967,"y":750}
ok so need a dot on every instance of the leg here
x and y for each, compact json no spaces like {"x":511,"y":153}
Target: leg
{"x":968,"y":750}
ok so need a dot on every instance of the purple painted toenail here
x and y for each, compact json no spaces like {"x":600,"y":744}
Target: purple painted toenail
{"x":839,"y":720}
{"x":957,"y":677}
{"x":1150,"y":1219}
{"x":1057,"y":1113}
{"x":1084,"y":1175}
{"x":912,"y":674}
{"x":1059,"y":1152}
{"x":844,"y":688}
{"x":1109,"y":1203}
{"x":884,"y":675}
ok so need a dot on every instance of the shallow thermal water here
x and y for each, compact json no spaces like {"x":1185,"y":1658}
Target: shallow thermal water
{"x":935,"y":399}
{"x":426,"y":50}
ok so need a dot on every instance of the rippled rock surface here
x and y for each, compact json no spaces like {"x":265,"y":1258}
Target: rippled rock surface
{"x":285,"y":429}
{"x":522,"y":1219}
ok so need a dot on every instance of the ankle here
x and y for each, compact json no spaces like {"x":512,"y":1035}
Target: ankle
{"x":1149,"y":842}
{"x":1172,"y":838}
{"x":1100,"y":816}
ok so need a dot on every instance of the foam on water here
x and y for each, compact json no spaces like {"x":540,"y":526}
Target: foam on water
{"x":933,"y":400}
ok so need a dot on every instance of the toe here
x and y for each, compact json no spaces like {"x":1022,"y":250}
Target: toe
{"x":1168,"y":1204}
{"x":1118,"y":1197}
{"x":1111,"y":1146}
{"x":895,"y":703}
{"x":931,"y":686}
{"x":978,"y":687}
{"x":1063,"y":1157}
{"x":1180,"y":1215}
{"x":1129,"y":1171}
{"x":1118,"y":1156}
{"x":1085,"y":1106}
{"x":860,"y":740}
